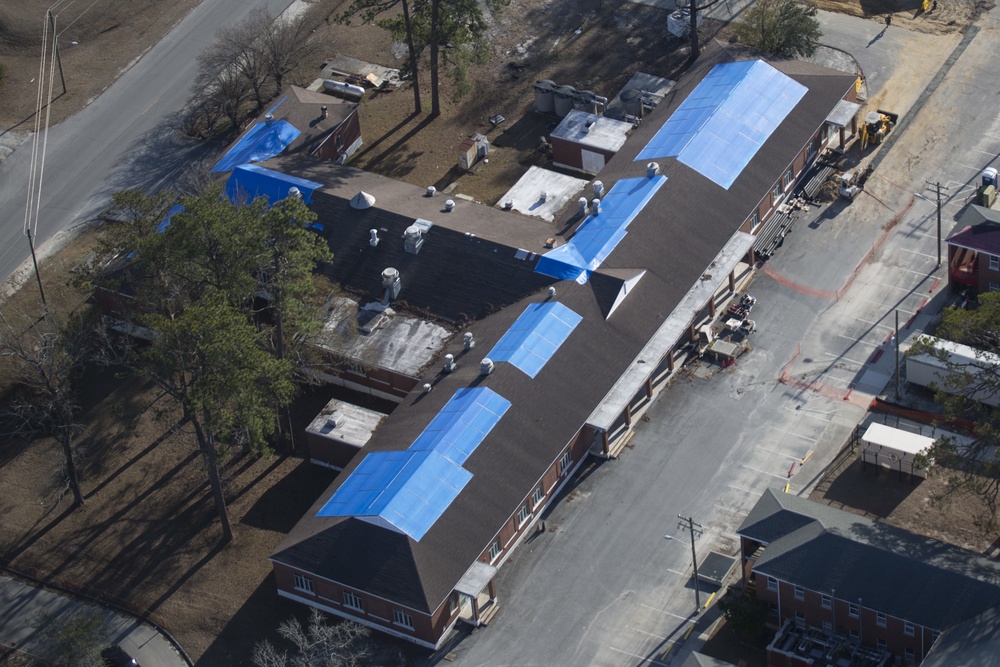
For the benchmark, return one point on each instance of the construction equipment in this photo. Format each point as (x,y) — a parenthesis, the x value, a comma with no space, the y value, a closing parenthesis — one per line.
(849,188)
(877,125)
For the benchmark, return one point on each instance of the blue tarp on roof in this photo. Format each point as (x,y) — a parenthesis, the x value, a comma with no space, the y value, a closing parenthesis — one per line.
(600,233)
(261,142)
(250,181)
(535,336)
(406,489)
(177,208)
(725,120)
(462,424)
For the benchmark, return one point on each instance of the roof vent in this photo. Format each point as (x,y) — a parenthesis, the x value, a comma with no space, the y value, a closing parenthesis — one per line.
(431,190)
(552,292)
(427,388)
(652,169)
(598,189)
(268,119)
(391,283)
(469,341)
(294,193)
(449,363)
(543,195)
(334,420)
(486,366)
(362,200)
(373,241)
(583,205)
(449,205)
(508,205)
(413,239)
(597,206)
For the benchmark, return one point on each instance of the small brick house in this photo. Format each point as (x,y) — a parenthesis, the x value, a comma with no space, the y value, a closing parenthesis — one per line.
(974,251)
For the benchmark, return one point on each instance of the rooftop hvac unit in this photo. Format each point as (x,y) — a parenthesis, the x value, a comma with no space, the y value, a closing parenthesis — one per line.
(544,99)
(632,102)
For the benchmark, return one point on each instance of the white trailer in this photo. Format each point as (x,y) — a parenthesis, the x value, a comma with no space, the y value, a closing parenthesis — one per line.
(928,370)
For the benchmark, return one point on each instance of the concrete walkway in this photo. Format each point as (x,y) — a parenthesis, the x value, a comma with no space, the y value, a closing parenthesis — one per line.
(21,604)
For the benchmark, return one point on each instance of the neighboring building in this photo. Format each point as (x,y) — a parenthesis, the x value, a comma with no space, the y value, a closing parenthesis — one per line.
(585,141)
(570,344)
(339,431)
(974,251)
(842,586)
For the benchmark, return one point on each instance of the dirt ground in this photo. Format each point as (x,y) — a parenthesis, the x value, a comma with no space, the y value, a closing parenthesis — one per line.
(148,536)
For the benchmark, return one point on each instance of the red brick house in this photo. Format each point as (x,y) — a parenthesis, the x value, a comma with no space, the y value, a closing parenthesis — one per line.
(974,251)
(839,585)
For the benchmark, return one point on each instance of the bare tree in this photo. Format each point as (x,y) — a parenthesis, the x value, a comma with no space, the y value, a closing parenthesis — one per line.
(221,88)
(45,360)
(694,9)
(322,644)
(244,46)
(287,47)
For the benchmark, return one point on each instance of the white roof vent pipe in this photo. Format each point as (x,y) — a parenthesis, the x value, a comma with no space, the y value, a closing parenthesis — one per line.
(598,189)
(294,193)
(449,363)
(373,241)
(583,205)
(427,388)
(268,119)
(391,283)
(652,169)
(469,341)
(449,205)
(431,191)
(552,292)
(543,196)
(486,366)
(597,205)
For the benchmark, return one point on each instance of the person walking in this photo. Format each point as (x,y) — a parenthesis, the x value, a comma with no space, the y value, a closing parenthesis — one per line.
(888,20)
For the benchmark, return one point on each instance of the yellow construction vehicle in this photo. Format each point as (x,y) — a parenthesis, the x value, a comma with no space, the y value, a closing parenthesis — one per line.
(876,126)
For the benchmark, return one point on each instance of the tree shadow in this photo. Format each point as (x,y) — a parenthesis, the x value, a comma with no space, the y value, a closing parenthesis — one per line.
(872,490)
(281,506)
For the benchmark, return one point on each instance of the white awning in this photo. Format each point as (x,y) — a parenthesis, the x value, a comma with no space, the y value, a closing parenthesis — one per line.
(893,438)
(475,579)
(843,113)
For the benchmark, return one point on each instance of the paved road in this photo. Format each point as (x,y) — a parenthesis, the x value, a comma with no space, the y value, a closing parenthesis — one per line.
(21,605)
(604,587)
(123,139)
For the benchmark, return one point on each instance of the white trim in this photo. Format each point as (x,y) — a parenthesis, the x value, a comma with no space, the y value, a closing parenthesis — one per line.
(364,621)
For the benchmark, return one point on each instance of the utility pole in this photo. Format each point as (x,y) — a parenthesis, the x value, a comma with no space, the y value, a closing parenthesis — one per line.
(34,261)
(694,529)
(896,336)
(55,38)
(938,188)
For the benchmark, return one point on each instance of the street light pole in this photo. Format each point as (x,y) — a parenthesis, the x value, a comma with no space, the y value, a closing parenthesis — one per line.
(694,529)
(939,221)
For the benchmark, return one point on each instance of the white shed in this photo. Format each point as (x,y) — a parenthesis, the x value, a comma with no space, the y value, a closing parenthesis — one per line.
(894,448)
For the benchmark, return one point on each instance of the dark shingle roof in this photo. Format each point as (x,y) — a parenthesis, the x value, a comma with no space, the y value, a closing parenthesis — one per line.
(890,570)
(974,643)
(674,238)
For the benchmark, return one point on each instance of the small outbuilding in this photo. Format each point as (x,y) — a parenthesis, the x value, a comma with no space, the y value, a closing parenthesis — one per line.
(586,141)
(339,432)
(894,448)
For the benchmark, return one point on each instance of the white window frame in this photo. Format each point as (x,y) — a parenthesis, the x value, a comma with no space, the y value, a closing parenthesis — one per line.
(855,634)
(495,550)
(402,619)
(799,593)
(908,655)
(565,462)
(788,178)
(776,194)
(800,619)
(772,583)
(754,221)
(908,629)
(828,627)
(852,610)
(994,262)
(303,583)
(994,287)
(880,619)
(826,602)
(523,515)
(881,644)
(453,604)
(353,601)
(537,497)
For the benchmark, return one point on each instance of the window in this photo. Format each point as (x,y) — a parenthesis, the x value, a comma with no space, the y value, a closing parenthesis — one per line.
(565,462)
(537,497)
(776,194)
(827,602)
(400,617)
(789,176)
(303,584)
(828,627)
(800,619)
(800,593)
(523,515)
(772,584)
(908,655)
(495,550)
(855,634)
(880,619)
(352,601)
(772,609)
(852,610)
(908,629)
(994,263)
(994,286)
(453,604)
(754,221)
(880,643)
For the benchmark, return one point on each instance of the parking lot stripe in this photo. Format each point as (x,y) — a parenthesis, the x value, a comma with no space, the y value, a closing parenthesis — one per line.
(764,472)
(642,659)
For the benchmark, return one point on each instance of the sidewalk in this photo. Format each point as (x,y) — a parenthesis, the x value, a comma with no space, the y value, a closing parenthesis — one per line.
(21,604)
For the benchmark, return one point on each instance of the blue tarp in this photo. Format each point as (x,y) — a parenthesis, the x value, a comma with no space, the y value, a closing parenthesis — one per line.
(600,233)
(462,424)
(535,336)
(177,208)
(407,490)
(250,181)
(725,120)
(261,142)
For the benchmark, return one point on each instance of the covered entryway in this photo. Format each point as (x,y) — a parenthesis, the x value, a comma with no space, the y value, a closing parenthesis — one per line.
(477,594)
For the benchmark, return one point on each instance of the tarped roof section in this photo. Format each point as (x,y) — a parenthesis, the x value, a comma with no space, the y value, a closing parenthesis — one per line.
(261,142)
(462,424)
(601,232)
(535,336)
(405,491)
(174,210)
(726,119)
(250,181)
